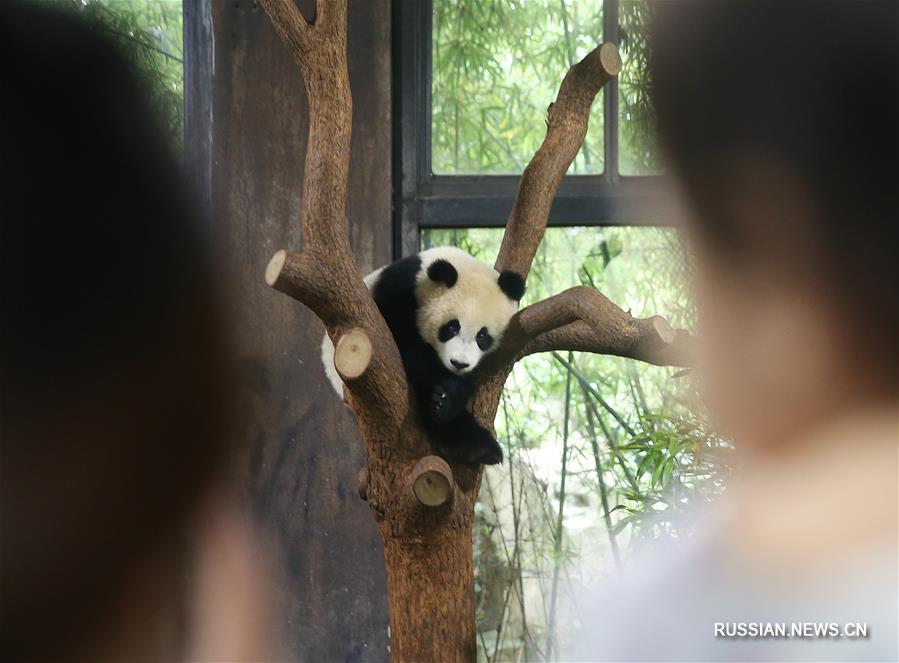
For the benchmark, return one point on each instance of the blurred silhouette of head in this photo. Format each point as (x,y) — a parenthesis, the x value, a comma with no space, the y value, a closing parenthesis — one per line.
(779,120)
(112,367)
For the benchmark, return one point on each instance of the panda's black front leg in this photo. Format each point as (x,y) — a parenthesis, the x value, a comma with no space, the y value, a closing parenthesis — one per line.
(449,398)
(464,440)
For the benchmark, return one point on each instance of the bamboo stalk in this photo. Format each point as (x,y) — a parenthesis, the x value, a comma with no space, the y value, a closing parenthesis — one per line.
(603,491)
(557,543)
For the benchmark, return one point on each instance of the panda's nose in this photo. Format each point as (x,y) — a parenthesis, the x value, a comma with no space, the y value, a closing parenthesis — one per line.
(459,364)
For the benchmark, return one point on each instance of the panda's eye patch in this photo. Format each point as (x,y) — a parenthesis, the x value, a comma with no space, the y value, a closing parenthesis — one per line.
(448,330)
(484,339)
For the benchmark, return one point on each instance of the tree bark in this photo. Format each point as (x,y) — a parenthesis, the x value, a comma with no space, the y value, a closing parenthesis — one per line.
(425,507)
(431,583)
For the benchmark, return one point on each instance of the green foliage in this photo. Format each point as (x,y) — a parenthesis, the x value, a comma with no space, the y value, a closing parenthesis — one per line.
(149,33)
(636,116)
(497,65)
(681,463)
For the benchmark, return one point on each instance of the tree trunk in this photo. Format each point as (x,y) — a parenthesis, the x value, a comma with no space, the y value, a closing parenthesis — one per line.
(425,507)
(430,581)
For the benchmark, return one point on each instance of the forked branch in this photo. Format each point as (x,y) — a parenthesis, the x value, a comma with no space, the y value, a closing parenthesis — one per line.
(580,318)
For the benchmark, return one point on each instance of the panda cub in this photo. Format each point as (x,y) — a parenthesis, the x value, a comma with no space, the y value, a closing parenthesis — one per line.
(446,310)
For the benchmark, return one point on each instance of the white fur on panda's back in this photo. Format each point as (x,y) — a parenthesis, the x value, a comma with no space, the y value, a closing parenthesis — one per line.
(328,346)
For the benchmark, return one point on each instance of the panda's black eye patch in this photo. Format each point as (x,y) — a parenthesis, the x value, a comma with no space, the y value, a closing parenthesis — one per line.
(484,339)
(448,330)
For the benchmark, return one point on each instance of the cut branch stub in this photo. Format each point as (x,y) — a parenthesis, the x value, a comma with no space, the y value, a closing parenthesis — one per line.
(274,268)
(610,59)
(432,481)
(664,329)
(352,354)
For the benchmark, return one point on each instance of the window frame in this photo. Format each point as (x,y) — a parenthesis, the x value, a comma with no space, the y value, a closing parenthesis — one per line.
(423,200)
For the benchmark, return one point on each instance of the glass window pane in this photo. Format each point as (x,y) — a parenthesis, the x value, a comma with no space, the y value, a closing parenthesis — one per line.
(497,65)
(637,154)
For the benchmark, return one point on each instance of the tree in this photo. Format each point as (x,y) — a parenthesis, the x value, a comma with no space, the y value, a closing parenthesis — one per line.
(423,506)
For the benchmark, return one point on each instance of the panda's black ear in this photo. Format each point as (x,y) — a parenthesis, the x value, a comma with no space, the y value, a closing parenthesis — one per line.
(512,284)
(442,271)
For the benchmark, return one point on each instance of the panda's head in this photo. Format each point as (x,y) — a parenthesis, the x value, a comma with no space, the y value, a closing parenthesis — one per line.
(464,306)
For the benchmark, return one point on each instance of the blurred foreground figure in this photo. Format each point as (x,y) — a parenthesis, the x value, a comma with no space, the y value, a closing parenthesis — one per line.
(780,122)
(115,544)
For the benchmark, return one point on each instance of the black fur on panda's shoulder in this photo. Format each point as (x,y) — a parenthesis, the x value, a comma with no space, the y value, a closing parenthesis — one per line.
(394,293)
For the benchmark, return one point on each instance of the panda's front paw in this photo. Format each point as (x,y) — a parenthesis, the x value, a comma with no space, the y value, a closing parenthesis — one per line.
(490,452)
(441,404)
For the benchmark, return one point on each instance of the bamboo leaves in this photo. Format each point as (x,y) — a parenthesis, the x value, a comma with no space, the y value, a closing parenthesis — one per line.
(496,66)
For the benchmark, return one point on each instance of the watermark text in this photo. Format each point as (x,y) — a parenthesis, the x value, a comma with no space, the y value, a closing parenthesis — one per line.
(832,630)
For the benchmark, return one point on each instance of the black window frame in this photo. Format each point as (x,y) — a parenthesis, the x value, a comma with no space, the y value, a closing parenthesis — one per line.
(423,200)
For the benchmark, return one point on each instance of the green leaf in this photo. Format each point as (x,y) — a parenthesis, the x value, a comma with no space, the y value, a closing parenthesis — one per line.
(644,465)
(657,473)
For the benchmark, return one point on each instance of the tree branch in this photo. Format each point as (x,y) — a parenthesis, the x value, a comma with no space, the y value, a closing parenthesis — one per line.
(645,339)
(583,319)
(324,276)
(566,127)
(580,319)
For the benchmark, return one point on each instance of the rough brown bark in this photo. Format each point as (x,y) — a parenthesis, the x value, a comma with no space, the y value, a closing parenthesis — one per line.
(431,582)
(424,507)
